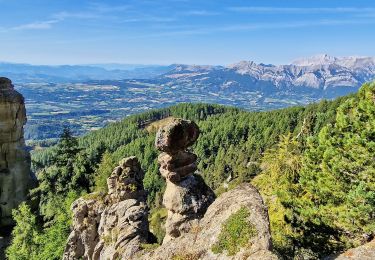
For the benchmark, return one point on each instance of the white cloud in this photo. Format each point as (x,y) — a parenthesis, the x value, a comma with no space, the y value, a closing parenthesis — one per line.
(41,25)
(79,15)
(261,26)
(94,11)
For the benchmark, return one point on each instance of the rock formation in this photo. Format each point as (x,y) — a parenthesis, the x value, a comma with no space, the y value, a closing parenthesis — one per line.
(15,174)
(186,196)
(115,225)
(363,252)
(198,243)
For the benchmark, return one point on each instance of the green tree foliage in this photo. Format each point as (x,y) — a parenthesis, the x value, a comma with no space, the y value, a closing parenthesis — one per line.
(67,149)
(55,232)
(230,148)
(32,242)
(278,183)
(70,168)
(103,171)
(25,235)
(320,190)
(337,192)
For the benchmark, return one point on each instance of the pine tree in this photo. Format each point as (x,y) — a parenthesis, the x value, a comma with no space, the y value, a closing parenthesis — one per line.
(336,201)
(25,235)
(103,171)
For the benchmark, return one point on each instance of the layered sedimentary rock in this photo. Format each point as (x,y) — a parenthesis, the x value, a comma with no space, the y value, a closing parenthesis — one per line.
(198,243)
(15,174)
(186,196)
(115,225)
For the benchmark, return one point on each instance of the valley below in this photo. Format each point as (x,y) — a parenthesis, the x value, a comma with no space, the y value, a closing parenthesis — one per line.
(89,106)
(95,96)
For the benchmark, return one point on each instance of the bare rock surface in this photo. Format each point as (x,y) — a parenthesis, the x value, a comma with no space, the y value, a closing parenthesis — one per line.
(198,242)
(364,252)
(186,197)
(115,225)
(15,174)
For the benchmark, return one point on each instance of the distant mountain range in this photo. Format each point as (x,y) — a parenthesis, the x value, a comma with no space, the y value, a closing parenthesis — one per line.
(322,73)
(90,96)
(26,73)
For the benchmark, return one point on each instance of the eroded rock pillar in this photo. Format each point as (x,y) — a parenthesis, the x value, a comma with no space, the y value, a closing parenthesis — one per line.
(186,197)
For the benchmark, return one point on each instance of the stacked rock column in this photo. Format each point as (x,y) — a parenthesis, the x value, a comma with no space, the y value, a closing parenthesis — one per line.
(186,196)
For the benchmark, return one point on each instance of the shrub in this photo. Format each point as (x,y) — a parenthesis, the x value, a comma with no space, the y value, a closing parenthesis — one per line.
(236,233)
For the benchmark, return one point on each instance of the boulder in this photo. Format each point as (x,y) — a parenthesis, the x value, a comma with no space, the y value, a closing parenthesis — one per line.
(204,234)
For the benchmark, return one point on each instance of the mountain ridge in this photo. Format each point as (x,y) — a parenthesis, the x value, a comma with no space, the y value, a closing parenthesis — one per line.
(317,72)
(320,71)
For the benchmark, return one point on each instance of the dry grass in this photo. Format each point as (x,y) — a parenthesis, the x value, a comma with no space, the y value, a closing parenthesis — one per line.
(154,126)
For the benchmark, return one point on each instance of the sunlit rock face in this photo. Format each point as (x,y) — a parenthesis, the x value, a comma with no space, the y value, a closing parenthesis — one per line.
(15,175)
(112,225)
(186,196)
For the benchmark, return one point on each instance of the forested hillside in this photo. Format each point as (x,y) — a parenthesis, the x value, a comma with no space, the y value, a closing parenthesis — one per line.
(314,165)
(321,193)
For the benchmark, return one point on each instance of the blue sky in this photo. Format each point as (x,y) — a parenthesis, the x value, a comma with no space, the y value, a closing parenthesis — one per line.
(183,31)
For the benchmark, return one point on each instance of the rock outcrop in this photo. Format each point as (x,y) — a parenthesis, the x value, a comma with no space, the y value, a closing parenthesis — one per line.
(15,174)
(115,225)
(186,196)
(198,243)
(364,252)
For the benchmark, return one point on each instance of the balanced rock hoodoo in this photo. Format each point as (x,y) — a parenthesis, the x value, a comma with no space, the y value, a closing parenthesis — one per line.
(186,197)
(115,225)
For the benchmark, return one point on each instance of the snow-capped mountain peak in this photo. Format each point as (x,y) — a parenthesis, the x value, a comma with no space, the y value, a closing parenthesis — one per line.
(320,59)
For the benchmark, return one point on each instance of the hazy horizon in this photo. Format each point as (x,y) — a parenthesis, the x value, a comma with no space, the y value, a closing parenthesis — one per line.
(138,65)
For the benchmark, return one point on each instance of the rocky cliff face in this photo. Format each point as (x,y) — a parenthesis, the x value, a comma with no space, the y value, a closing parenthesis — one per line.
(15,175)
(115,226)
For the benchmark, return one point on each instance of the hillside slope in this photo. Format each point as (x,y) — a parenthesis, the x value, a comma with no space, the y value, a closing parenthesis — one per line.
(282,147)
